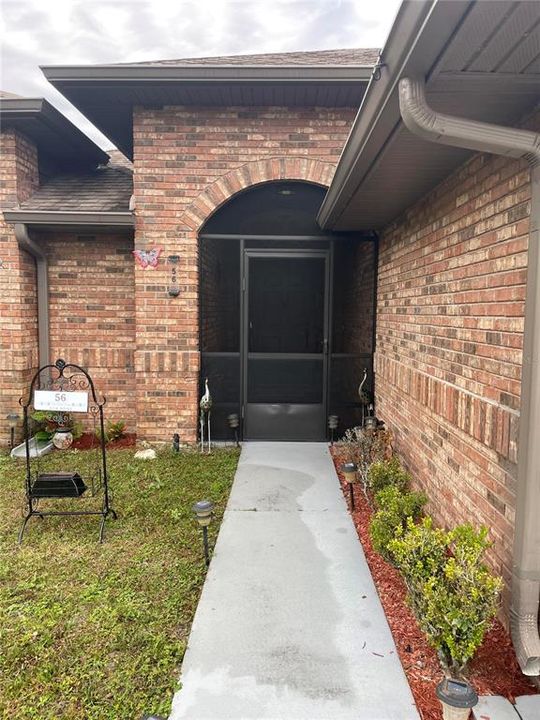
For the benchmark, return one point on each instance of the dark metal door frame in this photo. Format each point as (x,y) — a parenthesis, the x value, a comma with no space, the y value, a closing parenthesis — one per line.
(246,254)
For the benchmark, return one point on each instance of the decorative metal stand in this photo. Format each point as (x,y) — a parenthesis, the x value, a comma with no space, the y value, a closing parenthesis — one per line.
(64,378)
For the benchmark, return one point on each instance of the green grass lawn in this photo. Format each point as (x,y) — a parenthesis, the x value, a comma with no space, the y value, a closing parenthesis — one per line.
(97,632)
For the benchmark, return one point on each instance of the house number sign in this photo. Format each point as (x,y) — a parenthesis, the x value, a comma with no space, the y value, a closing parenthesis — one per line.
(61,400)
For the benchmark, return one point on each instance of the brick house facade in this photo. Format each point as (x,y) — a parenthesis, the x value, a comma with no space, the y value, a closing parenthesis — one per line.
(18,341)
(187,165)
(451,293)
(451,257)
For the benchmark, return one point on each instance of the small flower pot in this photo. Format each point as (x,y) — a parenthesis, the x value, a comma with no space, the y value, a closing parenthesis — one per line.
(62,438)
(457,698)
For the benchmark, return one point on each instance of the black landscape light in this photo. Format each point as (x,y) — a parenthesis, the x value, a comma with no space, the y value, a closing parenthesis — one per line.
(370,422)
(457,698)
(176,442)
(349,471)
(333,421)
(13,419)
(203,512)
(234,423)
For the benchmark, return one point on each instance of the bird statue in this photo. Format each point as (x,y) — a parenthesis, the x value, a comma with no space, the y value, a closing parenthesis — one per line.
(364,396)
(205,406)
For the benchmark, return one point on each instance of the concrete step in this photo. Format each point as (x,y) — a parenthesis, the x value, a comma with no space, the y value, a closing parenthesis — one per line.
(528,707)
(494,707)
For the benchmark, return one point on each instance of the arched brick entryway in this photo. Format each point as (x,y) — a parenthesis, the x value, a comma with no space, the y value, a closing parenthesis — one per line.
(250,174)
(167,359)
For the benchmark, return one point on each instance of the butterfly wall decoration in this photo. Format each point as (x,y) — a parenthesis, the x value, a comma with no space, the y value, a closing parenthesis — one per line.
(148,258)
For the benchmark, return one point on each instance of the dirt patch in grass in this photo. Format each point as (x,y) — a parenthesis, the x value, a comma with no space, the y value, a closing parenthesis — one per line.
(97,632)
(494,671)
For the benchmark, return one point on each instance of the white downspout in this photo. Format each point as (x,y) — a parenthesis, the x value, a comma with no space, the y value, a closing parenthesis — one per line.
(421,120)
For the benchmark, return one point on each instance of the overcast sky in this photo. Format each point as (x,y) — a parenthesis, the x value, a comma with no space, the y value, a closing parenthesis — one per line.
(64,32)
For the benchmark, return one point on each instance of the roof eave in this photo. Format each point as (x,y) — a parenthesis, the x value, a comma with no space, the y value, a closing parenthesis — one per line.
(38,110)
(418,35)
(57,218)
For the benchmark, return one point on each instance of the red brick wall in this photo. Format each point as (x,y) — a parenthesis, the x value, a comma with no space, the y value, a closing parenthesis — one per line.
(18,301)
(354,288)
(92,313)
(188,161)
(451,291)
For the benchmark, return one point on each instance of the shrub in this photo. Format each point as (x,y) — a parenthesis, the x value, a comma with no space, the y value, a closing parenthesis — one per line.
(384,473)
(453,594)
(393,509)
(364,446)
(418,550)
(116,430)
(113,430)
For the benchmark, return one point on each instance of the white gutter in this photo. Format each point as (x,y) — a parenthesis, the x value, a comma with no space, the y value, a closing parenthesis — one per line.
(42,282)
(436,127)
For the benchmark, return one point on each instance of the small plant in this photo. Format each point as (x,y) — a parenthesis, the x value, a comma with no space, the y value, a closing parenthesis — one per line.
(394,508)
(364,446)
(453,594)
(47,423)
(113,431)
(385,473)
(116,430)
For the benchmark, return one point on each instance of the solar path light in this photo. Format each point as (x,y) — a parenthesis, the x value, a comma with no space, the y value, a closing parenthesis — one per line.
(203,512)
(370,423)
(13,419)
(333,421)
(234,423)
(457,698)
(349,471)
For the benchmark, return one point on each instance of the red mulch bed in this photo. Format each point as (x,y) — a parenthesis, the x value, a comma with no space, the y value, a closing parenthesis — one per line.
(494,670)
(87,441)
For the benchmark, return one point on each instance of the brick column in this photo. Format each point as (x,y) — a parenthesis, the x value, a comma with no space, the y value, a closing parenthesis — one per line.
(19,178)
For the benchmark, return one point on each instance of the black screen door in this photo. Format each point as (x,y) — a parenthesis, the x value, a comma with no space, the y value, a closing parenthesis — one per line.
(285,344)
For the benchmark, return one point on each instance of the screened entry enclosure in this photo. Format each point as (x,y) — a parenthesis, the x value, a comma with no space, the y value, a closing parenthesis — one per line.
(287,316)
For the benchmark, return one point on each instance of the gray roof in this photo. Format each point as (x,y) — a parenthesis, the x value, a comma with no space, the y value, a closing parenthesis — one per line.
(106,189)
(348,56)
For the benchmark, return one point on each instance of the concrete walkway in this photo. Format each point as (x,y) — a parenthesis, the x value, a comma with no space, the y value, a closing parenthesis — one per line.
(289,625)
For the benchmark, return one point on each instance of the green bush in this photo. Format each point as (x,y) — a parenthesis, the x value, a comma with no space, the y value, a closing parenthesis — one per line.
(453,594)
(393,509)
(385,473)
(418,551)
(114,430)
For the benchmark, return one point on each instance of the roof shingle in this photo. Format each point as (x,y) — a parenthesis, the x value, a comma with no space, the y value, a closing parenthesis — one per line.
(106,189)
(348,56)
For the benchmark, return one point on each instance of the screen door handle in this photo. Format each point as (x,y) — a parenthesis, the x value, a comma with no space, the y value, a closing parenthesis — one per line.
(325,346)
